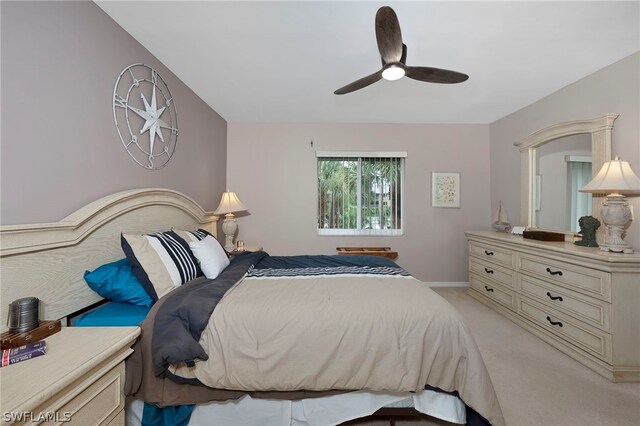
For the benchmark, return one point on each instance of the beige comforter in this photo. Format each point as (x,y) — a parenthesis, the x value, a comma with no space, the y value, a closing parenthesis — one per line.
(377,333)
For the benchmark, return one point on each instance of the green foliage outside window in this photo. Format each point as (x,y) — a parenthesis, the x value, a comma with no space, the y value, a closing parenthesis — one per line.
(371,186)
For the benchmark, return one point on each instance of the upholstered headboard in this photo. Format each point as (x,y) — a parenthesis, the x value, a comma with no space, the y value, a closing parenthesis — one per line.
(48,260)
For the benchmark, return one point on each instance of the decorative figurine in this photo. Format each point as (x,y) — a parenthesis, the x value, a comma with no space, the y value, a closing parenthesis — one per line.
(501,220)
(588,227)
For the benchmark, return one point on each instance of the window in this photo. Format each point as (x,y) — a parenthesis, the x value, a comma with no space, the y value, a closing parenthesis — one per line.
(360,193)
(578,203)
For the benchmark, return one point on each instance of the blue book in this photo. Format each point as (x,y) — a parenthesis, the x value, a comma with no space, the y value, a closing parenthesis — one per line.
(23,353)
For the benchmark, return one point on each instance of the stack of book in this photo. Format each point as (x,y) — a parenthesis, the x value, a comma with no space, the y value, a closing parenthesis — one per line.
(17,347)
(23,353)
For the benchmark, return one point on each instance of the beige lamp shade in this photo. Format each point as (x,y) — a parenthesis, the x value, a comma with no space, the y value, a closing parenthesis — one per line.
(615,176)
(230,204)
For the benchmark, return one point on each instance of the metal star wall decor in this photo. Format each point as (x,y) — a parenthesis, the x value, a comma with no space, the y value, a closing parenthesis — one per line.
(140,79)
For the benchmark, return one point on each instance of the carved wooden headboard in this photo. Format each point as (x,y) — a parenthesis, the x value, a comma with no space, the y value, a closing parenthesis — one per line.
(48,260)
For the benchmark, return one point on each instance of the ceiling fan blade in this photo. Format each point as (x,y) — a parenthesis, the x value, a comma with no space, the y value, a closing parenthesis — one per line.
(435,75)
(359,84)
(388,35)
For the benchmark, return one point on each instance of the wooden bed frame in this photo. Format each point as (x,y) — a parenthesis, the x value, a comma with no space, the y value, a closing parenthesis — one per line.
(48,260)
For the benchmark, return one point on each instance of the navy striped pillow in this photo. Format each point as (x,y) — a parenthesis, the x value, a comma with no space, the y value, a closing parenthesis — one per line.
(162,261)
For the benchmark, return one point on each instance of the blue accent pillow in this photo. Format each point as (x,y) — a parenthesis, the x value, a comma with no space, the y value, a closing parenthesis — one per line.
(115,281)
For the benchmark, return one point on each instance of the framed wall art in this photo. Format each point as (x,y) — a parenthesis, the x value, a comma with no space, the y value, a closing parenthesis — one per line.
(445,190)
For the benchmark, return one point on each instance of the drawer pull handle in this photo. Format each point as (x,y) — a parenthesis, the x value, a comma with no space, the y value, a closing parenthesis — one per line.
(488,253)
(488,289)
(488,271)
(554,272)
(554,297)
(553,322)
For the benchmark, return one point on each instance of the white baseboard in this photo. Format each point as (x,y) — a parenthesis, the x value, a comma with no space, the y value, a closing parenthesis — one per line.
(447,284)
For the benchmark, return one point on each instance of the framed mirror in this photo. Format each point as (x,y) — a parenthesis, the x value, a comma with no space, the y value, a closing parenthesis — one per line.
(555,162)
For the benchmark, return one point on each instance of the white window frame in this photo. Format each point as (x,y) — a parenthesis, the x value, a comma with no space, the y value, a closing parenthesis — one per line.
(359,155)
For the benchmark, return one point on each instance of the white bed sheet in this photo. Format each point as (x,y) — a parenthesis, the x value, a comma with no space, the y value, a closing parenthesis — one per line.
(323,411)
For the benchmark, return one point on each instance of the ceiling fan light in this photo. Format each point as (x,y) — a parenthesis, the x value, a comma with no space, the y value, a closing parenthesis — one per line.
(393,72)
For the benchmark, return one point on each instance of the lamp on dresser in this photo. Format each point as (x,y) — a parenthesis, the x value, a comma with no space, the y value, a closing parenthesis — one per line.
(616,179)
(229,205)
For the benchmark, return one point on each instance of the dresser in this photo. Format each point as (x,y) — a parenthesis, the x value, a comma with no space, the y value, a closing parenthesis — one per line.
(79,381)
(583,301)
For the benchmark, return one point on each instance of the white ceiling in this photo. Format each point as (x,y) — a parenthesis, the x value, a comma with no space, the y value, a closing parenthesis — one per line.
(282,61)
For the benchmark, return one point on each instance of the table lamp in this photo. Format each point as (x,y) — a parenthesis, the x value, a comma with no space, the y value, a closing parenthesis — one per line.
(616,179)
(229,205)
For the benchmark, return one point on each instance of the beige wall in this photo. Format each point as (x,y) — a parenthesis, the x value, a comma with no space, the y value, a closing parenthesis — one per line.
(59,147)
(272,167)
(614,89)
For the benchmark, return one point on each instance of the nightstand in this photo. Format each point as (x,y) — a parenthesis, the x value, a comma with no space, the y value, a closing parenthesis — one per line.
(80,379)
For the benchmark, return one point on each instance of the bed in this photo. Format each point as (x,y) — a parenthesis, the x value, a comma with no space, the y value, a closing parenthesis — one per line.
(282,372)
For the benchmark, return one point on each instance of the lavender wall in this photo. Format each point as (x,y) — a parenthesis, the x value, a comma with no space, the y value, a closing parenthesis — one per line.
(60,149)
(614,89)
(272,167)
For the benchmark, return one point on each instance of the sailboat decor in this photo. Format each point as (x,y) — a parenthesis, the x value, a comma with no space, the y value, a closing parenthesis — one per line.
(501,220)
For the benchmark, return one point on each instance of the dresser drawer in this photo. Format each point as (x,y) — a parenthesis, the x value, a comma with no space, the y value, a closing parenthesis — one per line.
(593,311)
(595,295)
(492,272)
(581,335)
(584,280)
(99,403)
(493,291)
(492,254)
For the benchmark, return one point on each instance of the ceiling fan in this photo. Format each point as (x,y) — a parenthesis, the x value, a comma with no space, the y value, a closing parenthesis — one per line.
(394,55)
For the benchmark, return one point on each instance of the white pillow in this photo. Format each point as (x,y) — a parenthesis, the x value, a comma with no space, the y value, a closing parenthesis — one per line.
(211,255)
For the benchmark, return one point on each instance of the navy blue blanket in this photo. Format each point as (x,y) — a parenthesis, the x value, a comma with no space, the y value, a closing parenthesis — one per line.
(291,266)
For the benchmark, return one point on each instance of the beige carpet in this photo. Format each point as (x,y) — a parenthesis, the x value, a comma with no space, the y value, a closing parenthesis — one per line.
(537,385)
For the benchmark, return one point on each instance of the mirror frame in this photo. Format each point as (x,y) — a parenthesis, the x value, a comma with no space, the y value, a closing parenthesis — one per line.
(600,130)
